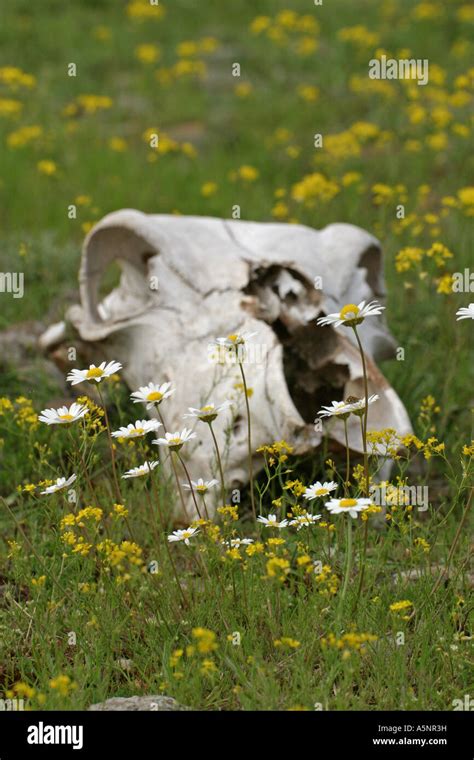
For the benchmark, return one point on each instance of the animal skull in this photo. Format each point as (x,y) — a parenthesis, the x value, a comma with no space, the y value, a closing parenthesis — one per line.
(186,280)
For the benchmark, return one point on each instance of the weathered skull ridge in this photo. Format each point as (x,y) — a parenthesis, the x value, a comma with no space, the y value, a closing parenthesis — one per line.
(187,280)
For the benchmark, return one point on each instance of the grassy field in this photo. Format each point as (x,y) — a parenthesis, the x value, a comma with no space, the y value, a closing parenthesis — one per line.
(83,142)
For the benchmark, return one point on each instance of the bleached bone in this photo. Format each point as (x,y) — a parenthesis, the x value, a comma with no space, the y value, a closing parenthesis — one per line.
(186,280)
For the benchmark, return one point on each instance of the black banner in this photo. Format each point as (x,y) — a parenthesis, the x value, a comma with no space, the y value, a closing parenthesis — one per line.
(375,734)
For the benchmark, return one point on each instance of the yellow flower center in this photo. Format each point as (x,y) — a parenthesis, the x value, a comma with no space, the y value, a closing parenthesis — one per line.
(174,441)
(138,431)
(232,337)
(154,396)
(321,492)
(67,417)
(207,408)
(349,311)
(187,534)
(94,372)
(348,503)
(201,489)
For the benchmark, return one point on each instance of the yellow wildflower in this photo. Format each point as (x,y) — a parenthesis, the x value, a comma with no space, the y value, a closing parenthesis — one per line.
(147,53)
(47,167)
(63,685)
(206,640)
(277,567)
(286,641)
(142,10)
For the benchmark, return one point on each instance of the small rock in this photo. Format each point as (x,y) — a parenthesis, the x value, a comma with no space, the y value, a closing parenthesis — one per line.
(23,363)
(416,573)
(158,703)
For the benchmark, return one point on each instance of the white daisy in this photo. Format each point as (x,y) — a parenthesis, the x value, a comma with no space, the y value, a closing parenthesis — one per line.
(93,373)
(137,429)
(235,339)
(465,312)
(175,441)
(183,535)
(304,520)
(152,394)
(207,413)
(359,404)
(143,469)
(351,314)
(319,489)
(63,415)
(272,522)
(337,409)
(352,506)
(60,484)
(236,543)
(201,486)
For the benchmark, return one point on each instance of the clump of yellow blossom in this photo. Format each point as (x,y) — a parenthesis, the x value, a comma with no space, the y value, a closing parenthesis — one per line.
(401,608)
(144,10)
(147,53)
(206,640)
(15,78)
(229,513)
(286,641)
(63,685)
(278,568)
(348,643)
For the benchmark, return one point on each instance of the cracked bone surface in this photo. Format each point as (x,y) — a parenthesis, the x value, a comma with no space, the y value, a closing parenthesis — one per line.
(187,280)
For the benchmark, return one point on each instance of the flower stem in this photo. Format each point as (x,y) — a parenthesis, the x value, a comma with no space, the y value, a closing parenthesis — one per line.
(77,447)
(205,507)
(219,462)
(111,445)
(249,435)
(190,483)
(366,412)
(175,573)
(348,563)
(173,465)
(364,555)
(363,430)
(167,546)
(348,462)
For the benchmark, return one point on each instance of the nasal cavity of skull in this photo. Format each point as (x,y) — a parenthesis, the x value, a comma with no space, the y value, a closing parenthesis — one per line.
(277,289)
(313,378)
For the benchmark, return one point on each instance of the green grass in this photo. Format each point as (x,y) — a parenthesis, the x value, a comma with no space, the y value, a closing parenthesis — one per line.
(142,618)
(93,613)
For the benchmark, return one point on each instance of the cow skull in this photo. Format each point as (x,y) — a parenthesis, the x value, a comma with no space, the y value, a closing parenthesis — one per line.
(187,280)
